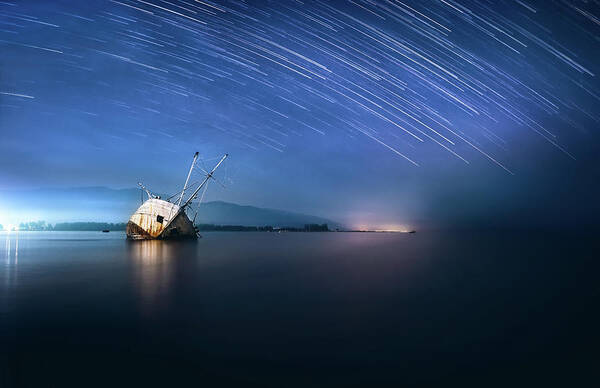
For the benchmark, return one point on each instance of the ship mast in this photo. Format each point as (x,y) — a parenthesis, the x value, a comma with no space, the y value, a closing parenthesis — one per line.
(208,176)
(187,179)
(193,196)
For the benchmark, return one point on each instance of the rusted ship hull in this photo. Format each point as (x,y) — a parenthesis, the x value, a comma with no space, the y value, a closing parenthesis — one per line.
(157,220)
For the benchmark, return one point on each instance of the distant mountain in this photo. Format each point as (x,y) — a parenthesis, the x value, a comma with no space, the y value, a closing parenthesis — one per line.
(102,204)
(225,213)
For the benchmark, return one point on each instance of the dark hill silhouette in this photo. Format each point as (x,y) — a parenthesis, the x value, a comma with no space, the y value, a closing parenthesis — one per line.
(226,213)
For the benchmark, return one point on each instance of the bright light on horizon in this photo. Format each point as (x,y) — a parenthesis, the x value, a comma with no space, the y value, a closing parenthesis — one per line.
(384,228)
(9,227)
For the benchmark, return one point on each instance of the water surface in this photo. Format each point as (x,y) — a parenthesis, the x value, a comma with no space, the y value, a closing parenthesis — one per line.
(298,309)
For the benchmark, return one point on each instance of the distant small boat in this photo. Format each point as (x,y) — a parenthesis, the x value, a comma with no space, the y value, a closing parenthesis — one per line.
(413,231)
(105,231)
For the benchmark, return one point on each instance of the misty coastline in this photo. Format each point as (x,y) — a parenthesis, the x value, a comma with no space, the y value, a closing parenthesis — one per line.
(42,226)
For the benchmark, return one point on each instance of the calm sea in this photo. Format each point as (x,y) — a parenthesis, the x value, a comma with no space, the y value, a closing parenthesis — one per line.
(299,310)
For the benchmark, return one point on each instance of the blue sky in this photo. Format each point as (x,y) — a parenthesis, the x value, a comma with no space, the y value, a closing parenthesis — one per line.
(435,112)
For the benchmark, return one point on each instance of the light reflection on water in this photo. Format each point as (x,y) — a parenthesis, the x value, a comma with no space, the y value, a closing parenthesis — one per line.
(10,258)
(152,271)
(154,263)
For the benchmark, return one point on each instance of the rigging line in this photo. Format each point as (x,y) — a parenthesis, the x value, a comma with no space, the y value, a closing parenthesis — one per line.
(210,159)
(179,192)
(203,192)
(169,198)
(200,164)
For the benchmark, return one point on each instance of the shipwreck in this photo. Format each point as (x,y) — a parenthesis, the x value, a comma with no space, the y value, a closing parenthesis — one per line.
(161,219)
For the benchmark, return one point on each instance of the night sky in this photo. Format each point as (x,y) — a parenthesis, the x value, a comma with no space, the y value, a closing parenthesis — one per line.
(425,113)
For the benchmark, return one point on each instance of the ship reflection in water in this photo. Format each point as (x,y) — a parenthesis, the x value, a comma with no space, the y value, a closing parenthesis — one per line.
(154,266)
(152,272)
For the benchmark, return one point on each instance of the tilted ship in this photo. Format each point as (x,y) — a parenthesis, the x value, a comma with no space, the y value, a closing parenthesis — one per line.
(160,219)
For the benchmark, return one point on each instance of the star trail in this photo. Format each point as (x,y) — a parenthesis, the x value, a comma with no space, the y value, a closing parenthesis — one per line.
(428,82)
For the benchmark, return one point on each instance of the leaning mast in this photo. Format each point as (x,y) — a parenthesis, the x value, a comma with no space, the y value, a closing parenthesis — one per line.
(187,179)
(181,209)
(208,176)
